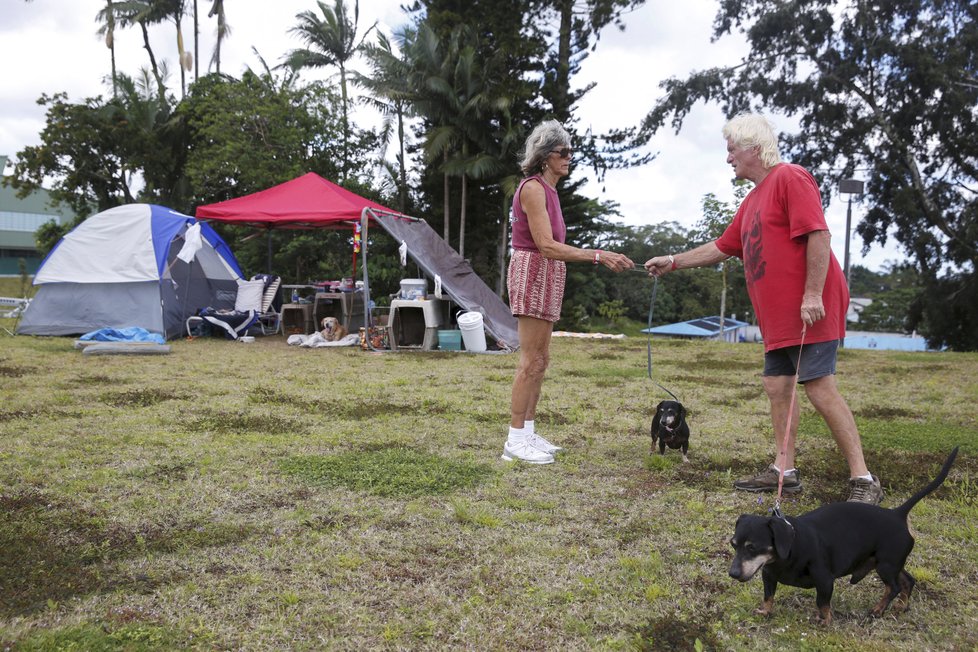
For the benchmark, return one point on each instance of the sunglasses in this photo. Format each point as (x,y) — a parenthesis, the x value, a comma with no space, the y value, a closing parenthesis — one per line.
(564,152)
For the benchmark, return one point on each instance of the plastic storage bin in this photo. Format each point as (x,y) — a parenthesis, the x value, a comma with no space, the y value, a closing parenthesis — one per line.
(450,340)
(414,288)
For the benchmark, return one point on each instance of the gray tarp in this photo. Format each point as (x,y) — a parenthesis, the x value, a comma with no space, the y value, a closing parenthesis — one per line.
(435,257)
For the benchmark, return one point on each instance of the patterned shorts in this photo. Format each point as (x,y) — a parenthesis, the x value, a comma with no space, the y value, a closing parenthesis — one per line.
(536,285)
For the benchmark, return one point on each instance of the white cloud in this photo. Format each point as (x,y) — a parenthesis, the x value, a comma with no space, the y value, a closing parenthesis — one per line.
(52,46)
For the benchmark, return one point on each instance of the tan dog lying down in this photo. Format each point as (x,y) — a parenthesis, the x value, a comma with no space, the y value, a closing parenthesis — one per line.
(332,329)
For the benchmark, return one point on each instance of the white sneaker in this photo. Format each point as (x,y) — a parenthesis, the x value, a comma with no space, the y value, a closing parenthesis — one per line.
(542,444)
(524,451)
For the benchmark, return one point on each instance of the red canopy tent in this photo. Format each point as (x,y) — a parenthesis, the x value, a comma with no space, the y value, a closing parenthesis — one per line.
(309,201)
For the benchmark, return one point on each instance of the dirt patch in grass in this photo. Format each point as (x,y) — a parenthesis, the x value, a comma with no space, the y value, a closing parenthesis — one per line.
(10,415)
(363,407)
(166,472)
(140,397)
(824,473)
(229,423)
(549,418)
(607,355)
(51,551)
(675,633)
(884,412)
(87,380)
(35,563)
(13,371)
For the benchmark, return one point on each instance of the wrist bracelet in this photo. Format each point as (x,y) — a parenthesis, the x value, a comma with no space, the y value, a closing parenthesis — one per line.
(672,261)
(597,256)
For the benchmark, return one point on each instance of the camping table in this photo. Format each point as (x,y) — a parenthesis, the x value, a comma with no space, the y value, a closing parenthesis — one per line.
(287,291)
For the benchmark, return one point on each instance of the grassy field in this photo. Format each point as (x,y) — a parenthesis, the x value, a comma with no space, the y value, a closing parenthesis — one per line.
(256,497)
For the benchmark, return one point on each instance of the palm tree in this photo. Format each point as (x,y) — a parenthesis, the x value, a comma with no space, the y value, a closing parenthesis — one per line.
(428,73)
(391,95)
(145,13)
(185,59)
(330,41)
(223,30)
(459,96)
(107,15)
(196,43)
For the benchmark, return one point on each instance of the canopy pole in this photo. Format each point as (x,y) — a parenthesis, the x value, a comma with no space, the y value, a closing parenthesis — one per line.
(367,316)
(268,269)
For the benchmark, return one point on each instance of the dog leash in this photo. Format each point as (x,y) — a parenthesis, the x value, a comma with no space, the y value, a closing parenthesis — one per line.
(648,342)
(787,427)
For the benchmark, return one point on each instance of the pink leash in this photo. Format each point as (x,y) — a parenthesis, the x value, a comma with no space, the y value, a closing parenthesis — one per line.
(787,426)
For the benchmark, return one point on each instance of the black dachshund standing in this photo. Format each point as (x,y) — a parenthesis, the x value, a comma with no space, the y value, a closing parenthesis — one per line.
(833,541)
(669,428)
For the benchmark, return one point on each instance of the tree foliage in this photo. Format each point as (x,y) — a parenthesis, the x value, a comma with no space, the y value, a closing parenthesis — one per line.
(330,41)
(97,150)
(887,90)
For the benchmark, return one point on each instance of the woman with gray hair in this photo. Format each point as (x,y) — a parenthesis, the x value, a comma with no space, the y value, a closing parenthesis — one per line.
(537,272)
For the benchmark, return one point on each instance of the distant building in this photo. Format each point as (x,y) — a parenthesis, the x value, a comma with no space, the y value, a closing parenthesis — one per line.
(856,306)
(704,327)
(19,221)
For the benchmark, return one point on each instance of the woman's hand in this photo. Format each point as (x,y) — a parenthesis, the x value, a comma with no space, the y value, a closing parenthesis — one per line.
(616,262)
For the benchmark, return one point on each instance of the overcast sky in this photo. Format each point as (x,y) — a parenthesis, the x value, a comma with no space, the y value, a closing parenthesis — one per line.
(51,46)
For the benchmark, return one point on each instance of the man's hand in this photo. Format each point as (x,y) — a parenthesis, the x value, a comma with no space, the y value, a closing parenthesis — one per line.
(812,309)
(659,266)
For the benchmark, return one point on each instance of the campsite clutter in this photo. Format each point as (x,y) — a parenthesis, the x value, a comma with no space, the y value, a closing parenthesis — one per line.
(148,266)
(311,201)
(122,341)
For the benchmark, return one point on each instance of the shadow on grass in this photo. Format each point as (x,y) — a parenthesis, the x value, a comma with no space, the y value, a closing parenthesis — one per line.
(50,551)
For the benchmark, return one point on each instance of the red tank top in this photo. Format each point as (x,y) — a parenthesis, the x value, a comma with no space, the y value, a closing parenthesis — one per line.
(522,238)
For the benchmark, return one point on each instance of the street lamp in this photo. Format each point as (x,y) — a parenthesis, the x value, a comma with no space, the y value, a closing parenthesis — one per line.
(849,187)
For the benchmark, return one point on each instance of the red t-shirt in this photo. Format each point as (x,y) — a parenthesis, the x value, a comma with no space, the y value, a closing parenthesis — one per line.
(522,238)
(769,235)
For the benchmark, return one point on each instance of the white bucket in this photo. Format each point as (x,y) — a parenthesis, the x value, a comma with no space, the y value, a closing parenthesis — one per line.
(470,323)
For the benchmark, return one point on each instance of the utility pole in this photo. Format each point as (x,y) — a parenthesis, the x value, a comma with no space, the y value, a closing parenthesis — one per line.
(849,187)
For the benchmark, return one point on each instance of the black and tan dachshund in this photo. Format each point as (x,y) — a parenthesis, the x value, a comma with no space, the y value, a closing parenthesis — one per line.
(669,428)
(833,541)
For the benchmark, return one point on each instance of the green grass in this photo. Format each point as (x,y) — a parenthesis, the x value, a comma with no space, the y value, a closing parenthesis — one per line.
(393,472)
(266,497)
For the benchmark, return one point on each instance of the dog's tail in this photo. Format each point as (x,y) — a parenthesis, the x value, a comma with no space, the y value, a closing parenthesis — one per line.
(905,508)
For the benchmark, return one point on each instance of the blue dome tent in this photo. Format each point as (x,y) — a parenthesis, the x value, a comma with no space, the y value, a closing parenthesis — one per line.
(138,265)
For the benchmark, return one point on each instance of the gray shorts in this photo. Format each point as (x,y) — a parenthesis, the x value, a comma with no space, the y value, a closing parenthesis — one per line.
(817,360)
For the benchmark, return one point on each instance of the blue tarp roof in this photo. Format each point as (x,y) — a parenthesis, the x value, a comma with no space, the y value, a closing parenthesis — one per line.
(886,342)
(702,327)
